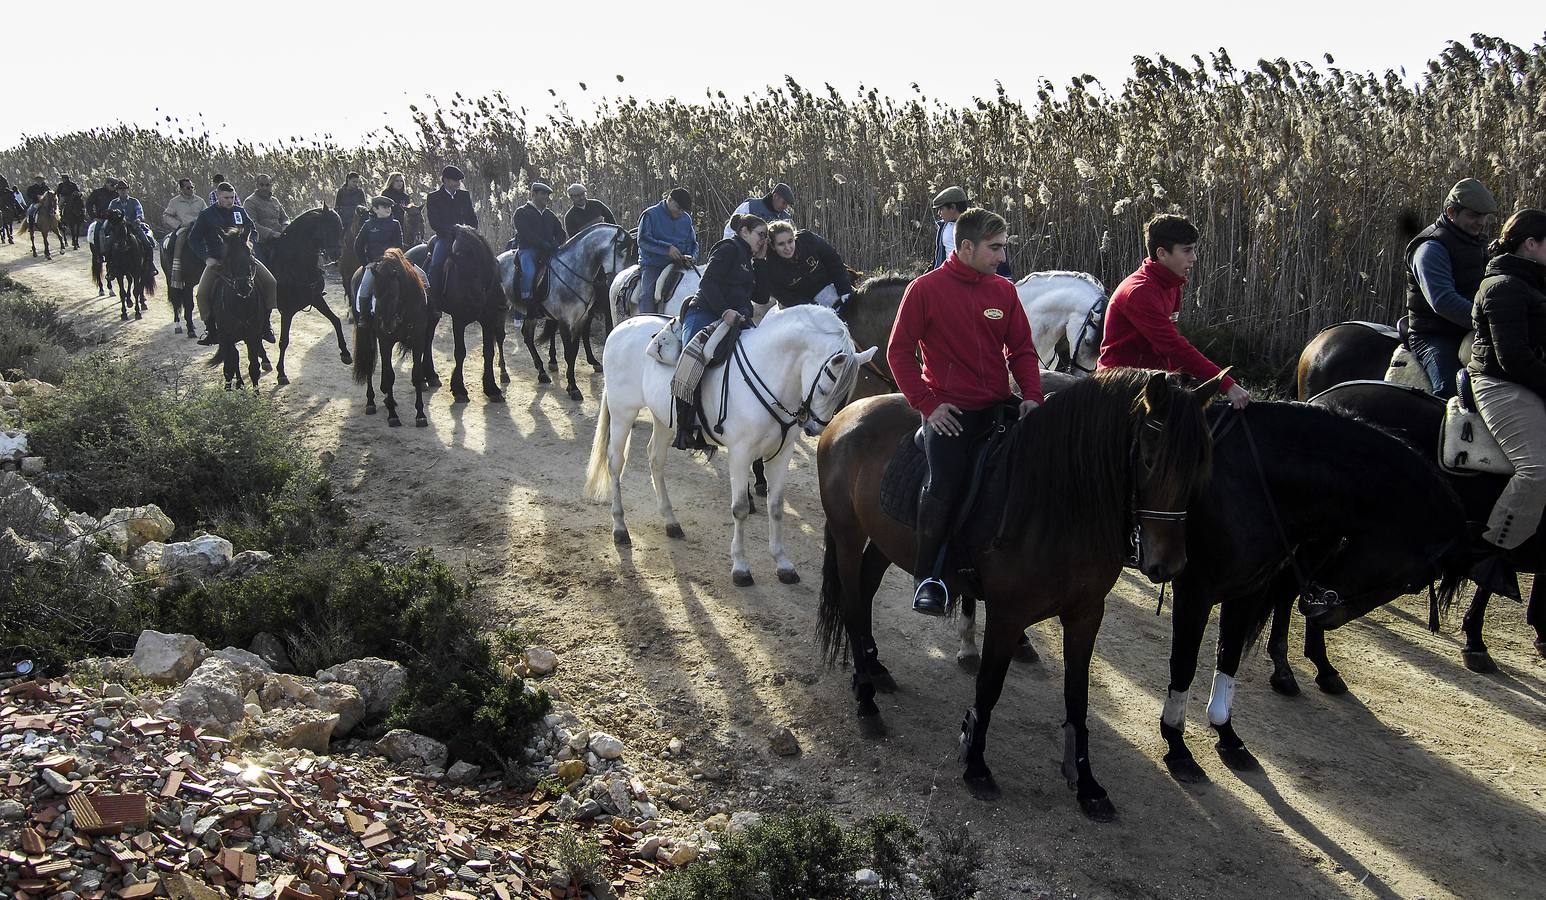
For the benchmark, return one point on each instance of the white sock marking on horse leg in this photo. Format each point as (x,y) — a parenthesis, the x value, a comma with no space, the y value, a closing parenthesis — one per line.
(1222,698)
(966,627)
(1175,709)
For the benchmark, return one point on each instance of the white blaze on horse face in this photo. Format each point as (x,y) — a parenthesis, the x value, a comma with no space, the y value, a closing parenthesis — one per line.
(1222,698)
(1175,709)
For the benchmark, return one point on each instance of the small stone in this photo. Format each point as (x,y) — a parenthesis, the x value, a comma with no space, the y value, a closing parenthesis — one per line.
(571,770)
(32,465)
(867,877)
(463,772)
(261,891)
(116,692)
(402,746)
(682,854)
(717,822)
(10,811)
(57,783)
(606,746)
(167,658)
(744,820)
(649,848)
(783,742)
(676,746)
(541,661)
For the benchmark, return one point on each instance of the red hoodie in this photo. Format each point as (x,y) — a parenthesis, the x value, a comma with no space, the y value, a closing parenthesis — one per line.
(968,324)
(1141,326)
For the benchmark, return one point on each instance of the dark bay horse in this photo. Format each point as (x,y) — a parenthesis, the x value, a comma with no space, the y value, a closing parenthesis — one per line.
(293,259)
(47,221)
(1102,468)
(348,263)
(1349,351)
(1301,500)
(180,295)
(129,262)
(1417,417)
(72,218)
(470,292)
(413,225)
(401,320)
(237,311)
(869,314)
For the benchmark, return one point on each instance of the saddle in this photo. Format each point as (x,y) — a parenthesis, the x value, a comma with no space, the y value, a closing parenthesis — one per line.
(901,487)
(1466,446)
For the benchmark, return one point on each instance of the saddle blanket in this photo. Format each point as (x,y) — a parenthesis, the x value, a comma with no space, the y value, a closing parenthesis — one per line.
(1466,445)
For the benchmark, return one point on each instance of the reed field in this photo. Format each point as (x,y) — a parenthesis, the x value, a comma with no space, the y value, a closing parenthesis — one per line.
(1305,179)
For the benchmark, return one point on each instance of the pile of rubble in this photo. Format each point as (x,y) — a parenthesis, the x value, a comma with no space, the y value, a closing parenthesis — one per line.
(191,773)
(14,452)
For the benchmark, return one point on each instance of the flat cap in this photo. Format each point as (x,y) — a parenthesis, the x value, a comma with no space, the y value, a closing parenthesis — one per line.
(950,194)
(1472,195)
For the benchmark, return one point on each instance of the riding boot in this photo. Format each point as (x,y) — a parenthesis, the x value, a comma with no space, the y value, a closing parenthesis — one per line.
(211,336)
(930,596)
(687,437)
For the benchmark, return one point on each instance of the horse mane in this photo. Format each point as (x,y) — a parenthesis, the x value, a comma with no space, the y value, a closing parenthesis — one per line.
(882,280)
(806,317)
(1086,277)
(586,230)
(1071,463)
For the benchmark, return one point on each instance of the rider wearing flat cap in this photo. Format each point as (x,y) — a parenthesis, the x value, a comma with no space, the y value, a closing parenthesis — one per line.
(1445,264)
(445,209)
(584,212)
(540,233)
(770,207)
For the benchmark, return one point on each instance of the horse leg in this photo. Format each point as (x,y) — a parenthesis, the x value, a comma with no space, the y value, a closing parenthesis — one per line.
(187,304)
(740,508)
(1474,652)
(419,384)
(1283,680)
(617,427)
(33,234)
(1079,630)
(459,387)
(553,349)
(585,333)
(1189,621)
(1535,615)
(660,446)
(491,345)
(1327,678)
(431,377)
(499,343)
(253,368)
(320,305)
(529,335)
(1233,626)
(388,379)
(997,647)
(571,350)
(850,557)
(284,345)
(776,485)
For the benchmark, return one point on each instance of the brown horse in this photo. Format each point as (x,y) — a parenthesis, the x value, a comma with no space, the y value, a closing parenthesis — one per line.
(413,225)
(401,319)
(46,219)
(1104,469)
(869,315)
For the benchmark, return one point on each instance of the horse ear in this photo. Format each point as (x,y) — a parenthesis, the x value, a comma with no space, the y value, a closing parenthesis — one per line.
(1154,392)
(863,357)
(1211,388)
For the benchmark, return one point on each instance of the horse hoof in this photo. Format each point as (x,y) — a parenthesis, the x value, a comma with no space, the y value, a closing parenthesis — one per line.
(281,380)
(123,316)
(575,395)
(434,381)
(348,359)
(370,409)
(495,396)
(969,662)
(177,330)
(883,682)
(741,579)
(420,422)
(788,576)
(983,787)
(394,421)
(872,726)
(1025,651)
(1099,809)
(1285,683)
(269,367)
(459,398)
(1540,647)
(192,335)
(674,530)
(620,537)
(542,377)
(504,378)
(1238,759)
(1185,769)
(1479,661)
(1331,683)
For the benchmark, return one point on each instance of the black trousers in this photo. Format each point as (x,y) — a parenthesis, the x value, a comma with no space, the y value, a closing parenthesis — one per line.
(950,455)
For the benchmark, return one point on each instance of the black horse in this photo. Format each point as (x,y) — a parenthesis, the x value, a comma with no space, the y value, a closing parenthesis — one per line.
(469,291)
(1301,501)
(130,262)
(180,292)
(402,320)
(1348,351)
(72,218)
(237,312)
(293,260)
(11,212)
(1417,417)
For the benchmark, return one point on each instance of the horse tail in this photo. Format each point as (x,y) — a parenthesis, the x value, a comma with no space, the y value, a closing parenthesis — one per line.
(597,477)
(1443,598)
(365,354)
(96,266)
(219,356)
(830,627)
(150,282)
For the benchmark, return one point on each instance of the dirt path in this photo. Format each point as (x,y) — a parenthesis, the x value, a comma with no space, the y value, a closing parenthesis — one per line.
(1425,781)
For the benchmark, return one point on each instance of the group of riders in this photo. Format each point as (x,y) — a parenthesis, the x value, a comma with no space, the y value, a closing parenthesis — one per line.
(960,332)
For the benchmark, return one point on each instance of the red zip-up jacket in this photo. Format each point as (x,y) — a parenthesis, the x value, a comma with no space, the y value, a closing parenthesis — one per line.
(1141,327)
(968,325)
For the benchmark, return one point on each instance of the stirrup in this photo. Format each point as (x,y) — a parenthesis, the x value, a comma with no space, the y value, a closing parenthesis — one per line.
(924,601)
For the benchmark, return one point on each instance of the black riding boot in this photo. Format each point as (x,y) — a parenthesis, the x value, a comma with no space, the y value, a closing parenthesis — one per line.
(686,427)
(930,595)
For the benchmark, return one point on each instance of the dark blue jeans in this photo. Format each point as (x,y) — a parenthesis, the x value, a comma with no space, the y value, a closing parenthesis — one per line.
(1439,355)
(644,294)
(437,260)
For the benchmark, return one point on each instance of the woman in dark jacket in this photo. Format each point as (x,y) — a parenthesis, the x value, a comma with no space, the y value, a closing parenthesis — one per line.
(1508,370)
(803,268)
(729,288)
(396,190)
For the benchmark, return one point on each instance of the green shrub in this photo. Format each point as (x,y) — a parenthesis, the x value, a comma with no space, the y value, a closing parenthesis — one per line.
(34,341)
(802,853)
(57,611)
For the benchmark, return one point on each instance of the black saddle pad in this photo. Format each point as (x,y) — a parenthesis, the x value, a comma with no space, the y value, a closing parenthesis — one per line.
(669,279)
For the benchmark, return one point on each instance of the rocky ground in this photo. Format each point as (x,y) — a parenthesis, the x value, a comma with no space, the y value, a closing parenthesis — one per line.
(1426,780)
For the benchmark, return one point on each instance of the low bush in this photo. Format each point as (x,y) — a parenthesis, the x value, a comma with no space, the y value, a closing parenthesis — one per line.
(34,341)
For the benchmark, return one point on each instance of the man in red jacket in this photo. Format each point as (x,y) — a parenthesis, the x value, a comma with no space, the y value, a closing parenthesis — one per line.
(966,322)
(1141,317)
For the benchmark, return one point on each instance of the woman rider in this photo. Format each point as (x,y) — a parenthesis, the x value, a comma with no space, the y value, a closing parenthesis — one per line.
(396,190)
(727,292)
(804,268)
(1508,370)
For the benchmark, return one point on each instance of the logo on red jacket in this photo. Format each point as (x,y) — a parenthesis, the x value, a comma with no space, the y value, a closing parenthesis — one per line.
(994,314)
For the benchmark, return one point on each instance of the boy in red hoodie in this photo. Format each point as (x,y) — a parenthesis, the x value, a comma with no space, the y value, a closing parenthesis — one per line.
(966,322)
(1141,317)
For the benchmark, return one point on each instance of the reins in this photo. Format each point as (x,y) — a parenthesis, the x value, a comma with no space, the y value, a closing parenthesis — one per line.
(769,399)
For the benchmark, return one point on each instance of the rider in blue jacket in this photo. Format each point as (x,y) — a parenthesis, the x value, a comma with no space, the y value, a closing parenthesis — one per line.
(666,238)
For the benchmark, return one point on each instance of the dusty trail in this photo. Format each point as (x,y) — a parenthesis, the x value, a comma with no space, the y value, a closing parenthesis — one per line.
(1424,781)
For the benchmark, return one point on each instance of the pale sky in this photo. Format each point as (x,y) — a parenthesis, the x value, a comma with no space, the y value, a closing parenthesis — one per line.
(305,68)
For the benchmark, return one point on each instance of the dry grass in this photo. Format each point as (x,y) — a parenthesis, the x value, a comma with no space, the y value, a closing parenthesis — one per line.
(1300,175)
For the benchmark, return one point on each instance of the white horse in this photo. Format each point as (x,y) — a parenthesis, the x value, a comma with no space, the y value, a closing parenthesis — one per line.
(794,371)
(622,291)
(1065,307)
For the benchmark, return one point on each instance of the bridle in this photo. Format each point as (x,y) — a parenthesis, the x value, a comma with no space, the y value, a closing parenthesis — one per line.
(842,381)
(620,244)
(1092,322)
(1139,514)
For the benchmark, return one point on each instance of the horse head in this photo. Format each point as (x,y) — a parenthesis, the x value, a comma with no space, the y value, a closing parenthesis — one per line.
(1171,457)
(826,357)
(329,232)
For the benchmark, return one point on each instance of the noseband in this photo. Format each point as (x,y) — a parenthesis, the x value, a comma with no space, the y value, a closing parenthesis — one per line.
(1092,322)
